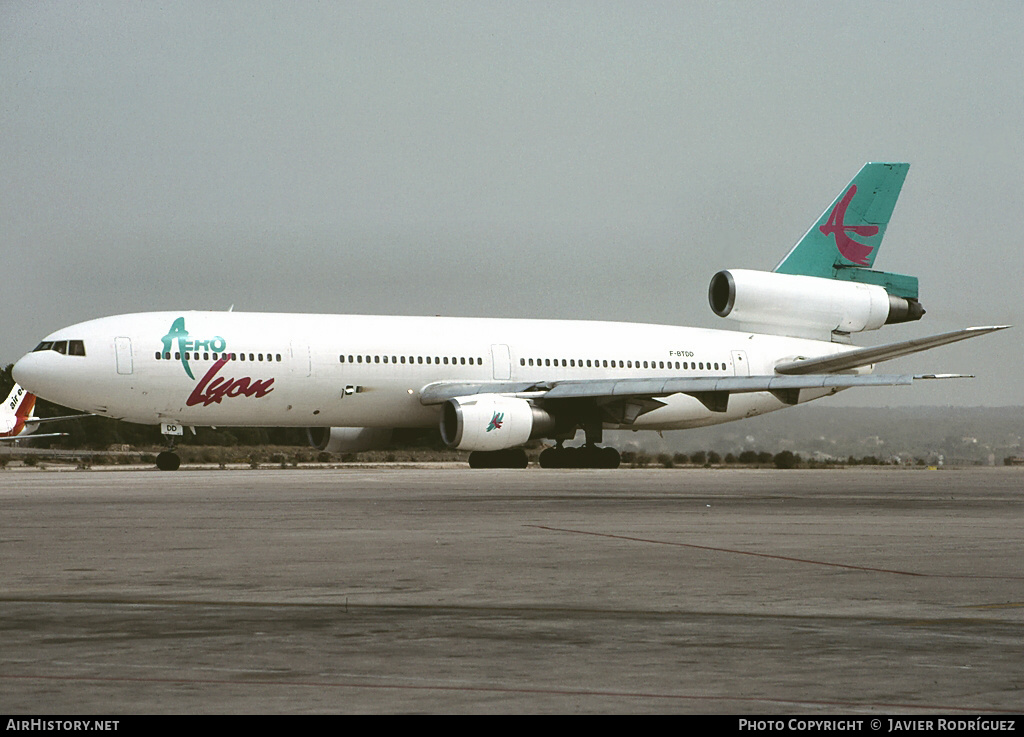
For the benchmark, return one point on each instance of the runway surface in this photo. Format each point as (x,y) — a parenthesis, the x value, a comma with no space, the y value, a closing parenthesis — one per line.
(451,590)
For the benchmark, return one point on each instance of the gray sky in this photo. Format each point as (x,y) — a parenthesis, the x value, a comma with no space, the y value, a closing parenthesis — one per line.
(570,160)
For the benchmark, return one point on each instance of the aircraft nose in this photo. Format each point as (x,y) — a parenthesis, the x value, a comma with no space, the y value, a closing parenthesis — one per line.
(35,373)
(20,370)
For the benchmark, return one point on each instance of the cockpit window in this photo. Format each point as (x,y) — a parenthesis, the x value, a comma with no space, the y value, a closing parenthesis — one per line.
(64,347)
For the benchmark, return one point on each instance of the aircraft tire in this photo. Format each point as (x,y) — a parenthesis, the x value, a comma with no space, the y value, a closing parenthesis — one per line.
(610,458)
(551,458)
(168,461)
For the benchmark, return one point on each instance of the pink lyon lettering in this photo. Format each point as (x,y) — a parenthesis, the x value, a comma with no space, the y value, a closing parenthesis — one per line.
(211,389)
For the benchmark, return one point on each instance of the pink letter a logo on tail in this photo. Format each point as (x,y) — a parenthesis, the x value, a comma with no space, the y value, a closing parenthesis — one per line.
(850,249)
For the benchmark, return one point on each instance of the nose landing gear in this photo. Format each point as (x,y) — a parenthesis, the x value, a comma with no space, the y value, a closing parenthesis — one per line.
(168,460)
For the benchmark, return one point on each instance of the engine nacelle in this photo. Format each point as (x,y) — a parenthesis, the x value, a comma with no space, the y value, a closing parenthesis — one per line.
(348,439)
(805,306)
(492,422)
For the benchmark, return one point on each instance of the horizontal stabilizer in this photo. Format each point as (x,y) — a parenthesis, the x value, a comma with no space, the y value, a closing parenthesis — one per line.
(867,356)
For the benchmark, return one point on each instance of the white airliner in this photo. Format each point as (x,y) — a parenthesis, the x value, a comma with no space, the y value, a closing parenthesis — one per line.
(491,385)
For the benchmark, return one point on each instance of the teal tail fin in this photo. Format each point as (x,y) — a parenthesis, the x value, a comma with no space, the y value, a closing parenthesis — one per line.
(845,240)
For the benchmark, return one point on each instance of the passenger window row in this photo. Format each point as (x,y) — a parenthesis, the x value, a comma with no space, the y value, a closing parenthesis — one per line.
(433,360)
(605,363)
(273,357)
(565,362)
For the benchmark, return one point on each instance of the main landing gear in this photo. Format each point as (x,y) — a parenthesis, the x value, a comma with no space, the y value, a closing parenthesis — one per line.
(586,456)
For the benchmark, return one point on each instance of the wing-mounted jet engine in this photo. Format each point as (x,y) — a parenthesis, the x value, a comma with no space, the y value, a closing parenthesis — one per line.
(493,427)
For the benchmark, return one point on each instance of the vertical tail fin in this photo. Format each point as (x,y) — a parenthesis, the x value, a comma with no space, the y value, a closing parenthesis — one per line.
(15,410)
(845,240)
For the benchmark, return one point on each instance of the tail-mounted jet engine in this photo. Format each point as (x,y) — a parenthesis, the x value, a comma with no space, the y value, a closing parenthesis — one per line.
(806,306)
(487,422)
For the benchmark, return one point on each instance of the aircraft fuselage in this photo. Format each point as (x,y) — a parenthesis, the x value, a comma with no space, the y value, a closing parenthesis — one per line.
(234,369)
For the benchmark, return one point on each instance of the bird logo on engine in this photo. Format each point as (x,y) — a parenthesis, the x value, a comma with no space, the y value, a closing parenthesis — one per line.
(496,421)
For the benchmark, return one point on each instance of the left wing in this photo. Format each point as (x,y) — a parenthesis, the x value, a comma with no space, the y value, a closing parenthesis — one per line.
(614,388)
(713,392)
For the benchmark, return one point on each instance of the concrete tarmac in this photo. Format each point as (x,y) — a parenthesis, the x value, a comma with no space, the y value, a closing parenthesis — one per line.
(386,590)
